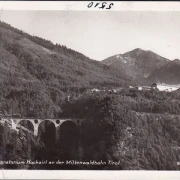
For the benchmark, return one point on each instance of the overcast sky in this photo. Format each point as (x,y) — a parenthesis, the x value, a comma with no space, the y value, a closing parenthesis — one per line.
(99,35)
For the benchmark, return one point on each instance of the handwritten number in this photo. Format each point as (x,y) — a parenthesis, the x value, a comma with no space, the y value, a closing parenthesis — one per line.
(90,5)
(112,4)
(96,4)
(103,5)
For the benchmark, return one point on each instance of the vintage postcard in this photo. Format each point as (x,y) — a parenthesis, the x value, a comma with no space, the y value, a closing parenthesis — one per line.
(92,86)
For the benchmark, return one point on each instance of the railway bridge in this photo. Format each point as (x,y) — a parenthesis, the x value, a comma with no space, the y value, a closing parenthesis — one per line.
(36,122)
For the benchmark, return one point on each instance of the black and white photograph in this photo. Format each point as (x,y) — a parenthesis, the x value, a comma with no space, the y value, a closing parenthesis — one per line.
(91,89)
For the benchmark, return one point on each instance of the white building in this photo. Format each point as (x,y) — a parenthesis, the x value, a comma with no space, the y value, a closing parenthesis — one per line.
(165,87)
(147,88)
(95,90)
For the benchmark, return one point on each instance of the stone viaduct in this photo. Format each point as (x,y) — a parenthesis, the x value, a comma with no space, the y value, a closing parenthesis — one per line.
(36,122)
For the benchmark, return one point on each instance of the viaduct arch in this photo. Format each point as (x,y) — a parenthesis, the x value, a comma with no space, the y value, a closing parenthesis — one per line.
(36,122)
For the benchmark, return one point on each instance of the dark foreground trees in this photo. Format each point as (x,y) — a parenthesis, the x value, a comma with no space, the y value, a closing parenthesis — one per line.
(113,130)
(122,127)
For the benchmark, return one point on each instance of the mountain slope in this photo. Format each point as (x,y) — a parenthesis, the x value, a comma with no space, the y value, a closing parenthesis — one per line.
(56,59)
(137,63)
(170,73)
(36,75)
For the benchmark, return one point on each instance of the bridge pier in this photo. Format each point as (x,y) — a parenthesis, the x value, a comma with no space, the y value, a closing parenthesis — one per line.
(36,129)
(14,125)
(57,135)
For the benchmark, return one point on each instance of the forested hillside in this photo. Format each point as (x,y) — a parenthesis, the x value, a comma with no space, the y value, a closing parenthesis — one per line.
(141,129)
(138,129)
(169,73)
(36,76)
(16,147)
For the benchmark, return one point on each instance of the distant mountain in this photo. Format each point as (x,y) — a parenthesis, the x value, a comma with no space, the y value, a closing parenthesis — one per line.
(169,73)
(36,75)
(138,63)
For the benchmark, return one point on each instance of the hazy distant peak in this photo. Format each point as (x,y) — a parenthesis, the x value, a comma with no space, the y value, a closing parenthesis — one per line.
(135,51)
(169,74)
(137,63)
(176,61)
(138,52)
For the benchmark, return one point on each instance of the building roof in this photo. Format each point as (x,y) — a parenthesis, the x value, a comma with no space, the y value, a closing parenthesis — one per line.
(169,85)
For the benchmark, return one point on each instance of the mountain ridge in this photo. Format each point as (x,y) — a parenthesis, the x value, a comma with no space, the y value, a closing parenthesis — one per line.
(169,73)
(137,63)
(36,75)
